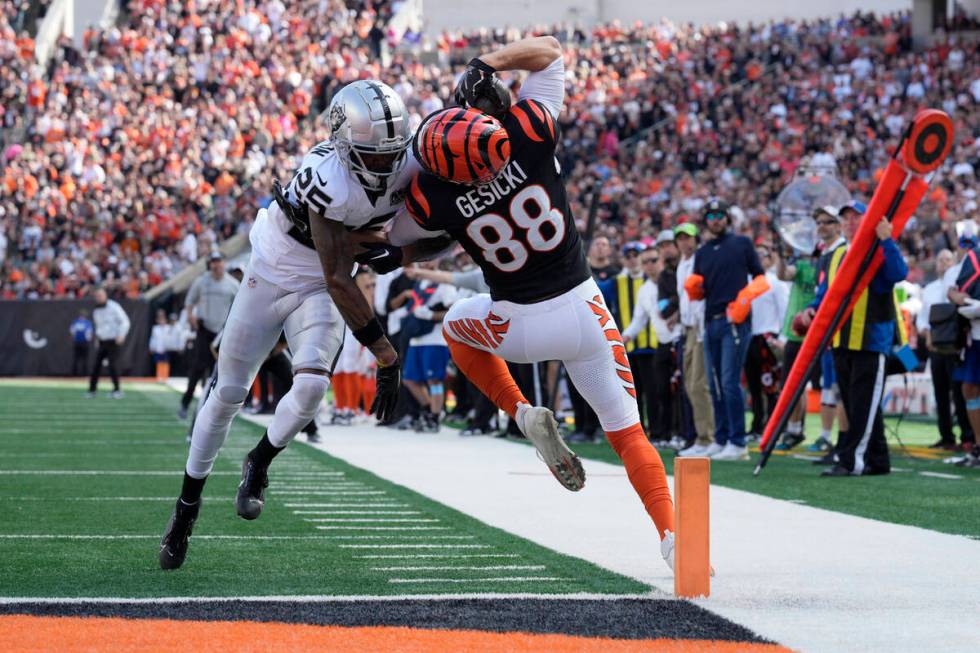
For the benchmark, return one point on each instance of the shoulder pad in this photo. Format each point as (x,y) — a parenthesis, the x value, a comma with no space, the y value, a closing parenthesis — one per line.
(535,121)
(417,198)
(321,184)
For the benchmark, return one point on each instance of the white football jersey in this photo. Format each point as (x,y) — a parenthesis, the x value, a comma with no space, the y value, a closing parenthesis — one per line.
(327,187)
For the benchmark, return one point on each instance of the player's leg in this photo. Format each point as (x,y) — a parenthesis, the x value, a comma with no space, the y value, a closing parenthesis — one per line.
(413,377)
(474,328)
(315,333)
(250,332)
(475,334)
(93,379)
(602,374)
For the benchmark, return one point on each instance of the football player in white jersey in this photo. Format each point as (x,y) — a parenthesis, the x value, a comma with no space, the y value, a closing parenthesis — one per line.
(299,280)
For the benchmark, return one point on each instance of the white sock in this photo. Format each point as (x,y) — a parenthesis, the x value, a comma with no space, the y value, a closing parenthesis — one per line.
(795,428)
(825,434)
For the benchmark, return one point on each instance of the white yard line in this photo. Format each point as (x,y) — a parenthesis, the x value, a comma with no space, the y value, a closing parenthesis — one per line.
(344,493)
(378,520)
(953,477)
(383,528)
(415,546)
(405,556)
(357,512)
(811,579)
(345,505)
(458,568)
(503,579)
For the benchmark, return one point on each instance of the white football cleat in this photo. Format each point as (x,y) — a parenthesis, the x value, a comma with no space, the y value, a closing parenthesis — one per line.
(712,449)
(539,426)
(694,450)
(732,452)
(667,549)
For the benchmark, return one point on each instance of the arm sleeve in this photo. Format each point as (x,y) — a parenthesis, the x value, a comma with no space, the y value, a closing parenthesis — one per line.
(892,270)
(471,280)
(967,276)
(194,294)
(123,320)
(405,230)
(922,318)
(546,86)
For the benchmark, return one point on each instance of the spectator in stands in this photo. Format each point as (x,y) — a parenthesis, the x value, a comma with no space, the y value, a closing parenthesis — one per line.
(111,326)
(81,332)
(208,303)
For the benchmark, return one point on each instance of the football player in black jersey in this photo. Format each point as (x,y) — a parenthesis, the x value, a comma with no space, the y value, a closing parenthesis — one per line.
(492,182)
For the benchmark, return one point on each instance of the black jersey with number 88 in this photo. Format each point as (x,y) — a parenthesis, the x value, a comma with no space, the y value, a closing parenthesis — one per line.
(518,228)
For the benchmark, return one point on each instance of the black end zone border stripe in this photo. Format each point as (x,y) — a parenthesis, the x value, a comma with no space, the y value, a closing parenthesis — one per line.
(639,618)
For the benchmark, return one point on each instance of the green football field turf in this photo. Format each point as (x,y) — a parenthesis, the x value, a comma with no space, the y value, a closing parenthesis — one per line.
(921,491)
(88,485)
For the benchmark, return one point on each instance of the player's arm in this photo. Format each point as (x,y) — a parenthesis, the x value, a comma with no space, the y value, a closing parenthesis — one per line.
(336,254)
(335,251)
(479,86)
(531,54)
(416,242)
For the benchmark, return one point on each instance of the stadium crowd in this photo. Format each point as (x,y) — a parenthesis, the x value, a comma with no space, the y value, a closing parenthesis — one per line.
(135,153)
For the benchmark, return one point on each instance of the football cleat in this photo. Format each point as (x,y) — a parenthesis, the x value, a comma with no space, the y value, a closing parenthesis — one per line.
(539,426)
(667,549)
(173,546)
(251,489)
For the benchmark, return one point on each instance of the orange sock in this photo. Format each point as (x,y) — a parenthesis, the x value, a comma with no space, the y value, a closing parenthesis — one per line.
(368,390)
(343,398)
(489,373)
(646,472)
(166,370)
(160,375)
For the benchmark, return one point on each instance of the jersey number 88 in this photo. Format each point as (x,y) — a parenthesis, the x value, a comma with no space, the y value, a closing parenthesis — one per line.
(533,222)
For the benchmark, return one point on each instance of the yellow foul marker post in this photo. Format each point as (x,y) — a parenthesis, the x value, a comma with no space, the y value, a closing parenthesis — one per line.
(692,560)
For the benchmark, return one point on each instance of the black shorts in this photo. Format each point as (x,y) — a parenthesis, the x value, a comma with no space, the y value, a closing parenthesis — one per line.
(790,353)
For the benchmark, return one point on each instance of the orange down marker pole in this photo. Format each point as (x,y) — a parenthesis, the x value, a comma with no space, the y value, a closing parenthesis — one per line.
(692,559)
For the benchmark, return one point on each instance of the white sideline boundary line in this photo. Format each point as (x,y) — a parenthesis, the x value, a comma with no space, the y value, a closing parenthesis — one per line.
(455,568)
(501,579)
(407,520)
(321,598)
(442,556)
(383,528)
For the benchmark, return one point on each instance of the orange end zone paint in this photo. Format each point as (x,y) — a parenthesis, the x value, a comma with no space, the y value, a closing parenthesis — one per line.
(692,551)
(71,634)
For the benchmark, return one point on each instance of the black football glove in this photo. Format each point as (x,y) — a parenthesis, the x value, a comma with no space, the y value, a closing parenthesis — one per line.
(388,381)
(382,257)
(480,88)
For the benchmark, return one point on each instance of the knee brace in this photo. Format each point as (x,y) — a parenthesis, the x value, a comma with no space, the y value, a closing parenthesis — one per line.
(436,389)
(973,404)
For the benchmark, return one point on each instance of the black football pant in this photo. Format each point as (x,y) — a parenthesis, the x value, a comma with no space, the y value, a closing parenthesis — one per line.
(642,366)
(762,402)
(202,361)
(861,379)
(108,351)
(662,426)
(79,359)
(943,385)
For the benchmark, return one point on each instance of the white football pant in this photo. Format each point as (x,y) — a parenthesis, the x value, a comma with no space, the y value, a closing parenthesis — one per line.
(575,328)
(261,311)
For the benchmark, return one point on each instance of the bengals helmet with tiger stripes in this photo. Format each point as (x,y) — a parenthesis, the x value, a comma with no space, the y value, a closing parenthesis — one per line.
(463,146)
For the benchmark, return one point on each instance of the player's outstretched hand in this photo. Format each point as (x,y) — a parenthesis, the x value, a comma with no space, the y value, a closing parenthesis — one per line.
(388,380)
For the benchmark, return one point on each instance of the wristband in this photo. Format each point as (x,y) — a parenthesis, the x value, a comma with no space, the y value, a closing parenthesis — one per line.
(370,333)
(479,64)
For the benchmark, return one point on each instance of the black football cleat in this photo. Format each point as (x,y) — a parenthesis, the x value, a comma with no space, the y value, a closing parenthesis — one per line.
(837,471)
(173,546)
(251,490)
